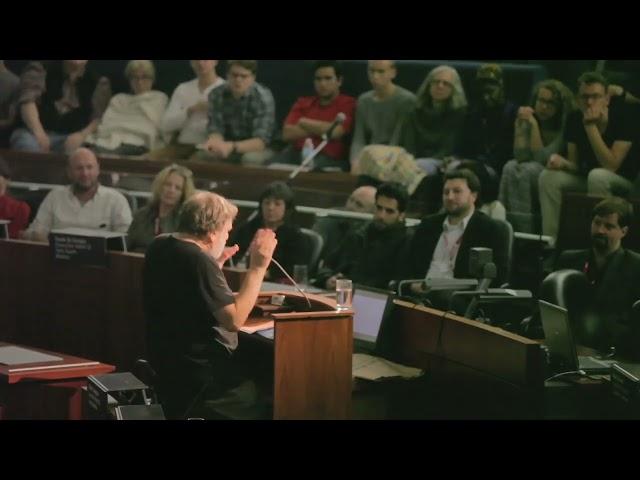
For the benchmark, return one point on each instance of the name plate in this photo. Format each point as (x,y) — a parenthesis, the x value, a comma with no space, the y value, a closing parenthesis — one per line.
(81,246)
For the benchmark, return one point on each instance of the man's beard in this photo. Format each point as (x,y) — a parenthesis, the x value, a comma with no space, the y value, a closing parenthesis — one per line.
(600,243)
(459,211)
(379,225)
(83,188)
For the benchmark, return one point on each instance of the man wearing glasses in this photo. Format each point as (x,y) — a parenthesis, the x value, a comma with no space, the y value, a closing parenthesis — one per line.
(600,159)
(241,117)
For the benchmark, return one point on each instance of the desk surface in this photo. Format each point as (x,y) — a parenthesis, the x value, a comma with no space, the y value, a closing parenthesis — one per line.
(65,368)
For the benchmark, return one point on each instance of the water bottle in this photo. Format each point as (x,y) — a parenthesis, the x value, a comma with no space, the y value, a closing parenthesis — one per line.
(307,149)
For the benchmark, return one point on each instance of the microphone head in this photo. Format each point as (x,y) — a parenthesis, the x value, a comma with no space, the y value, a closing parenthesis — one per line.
(340,118)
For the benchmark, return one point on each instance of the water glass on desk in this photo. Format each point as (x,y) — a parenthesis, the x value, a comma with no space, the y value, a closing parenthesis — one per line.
(301,275)
(344,293)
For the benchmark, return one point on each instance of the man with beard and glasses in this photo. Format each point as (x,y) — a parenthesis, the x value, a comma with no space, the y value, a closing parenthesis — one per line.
(442,243)
(371,255)
(83,204)
(613,275)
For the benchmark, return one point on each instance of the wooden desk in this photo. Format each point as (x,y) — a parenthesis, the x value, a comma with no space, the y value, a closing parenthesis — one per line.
(91,312)
(46,390)
(472,370)
(97,312)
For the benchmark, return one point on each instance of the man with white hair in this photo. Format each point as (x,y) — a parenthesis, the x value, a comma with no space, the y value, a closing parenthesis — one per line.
(192,316)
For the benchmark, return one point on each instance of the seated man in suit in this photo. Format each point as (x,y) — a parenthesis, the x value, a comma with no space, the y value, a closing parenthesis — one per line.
(441,245)
(613,275)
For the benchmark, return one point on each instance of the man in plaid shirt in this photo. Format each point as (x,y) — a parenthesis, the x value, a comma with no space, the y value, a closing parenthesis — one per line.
(241,117)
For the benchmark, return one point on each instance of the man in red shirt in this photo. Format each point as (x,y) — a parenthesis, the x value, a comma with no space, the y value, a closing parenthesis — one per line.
(312,117)
(15,211)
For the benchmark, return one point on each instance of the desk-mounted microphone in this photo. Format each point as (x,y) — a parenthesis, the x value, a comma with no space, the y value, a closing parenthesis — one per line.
(292,281)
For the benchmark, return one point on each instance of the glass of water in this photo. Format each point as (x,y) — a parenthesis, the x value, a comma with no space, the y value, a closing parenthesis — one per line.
(301,275)
(344,292)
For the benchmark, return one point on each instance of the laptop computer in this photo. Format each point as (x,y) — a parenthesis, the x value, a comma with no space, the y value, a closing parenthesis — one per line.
(369,306)
(560,342)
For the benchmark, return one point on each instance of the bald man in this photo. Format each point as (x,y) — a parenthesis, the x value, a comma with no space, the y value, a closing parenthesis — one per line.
(83,204)
(334,229)
(362,200)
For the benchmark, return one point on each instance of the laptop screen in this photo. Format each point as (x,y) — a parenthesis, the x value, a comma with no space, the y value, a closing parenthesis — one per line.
(369,307)
(557,334)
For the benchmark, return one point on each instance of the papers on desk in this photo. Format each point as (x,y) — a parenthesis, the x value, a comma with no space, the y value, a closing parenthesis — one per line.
(376,368)
(12,355)
(254,325)
(268,333)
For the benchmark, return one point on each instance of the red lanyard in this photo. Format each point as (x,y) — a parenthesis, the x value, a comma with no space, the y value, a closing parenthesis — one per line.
(585,270)
(453,251)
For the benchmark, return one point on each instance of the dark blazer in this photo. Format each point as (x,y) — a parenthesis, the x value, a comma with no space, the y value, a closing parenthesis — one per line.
(611,297)
(481,231)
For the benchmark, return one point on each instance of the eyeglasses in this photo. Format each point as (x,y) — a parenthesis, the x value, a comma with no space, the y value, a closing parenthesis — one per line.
(140,77)
(585,97)
(242,76)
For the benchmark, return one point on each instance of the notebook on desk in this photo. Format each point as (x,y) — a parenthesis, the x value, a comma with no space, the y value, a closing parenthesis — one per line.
(369,306)
(560,342)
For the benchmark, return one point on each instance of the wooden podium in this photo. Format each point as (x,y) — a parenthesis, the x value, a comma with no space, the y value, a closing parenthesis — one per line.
(48,389)
(312,353)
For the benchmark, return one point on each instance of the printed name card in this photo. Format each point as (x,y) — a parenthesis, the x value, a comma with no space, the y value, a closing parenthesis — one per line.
(81,246)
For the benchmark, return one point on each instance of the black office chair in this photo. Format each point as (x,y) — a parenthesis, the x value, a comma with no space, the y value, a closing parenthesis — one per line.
(506,243)
(315,244)
(143,370)
(565,288)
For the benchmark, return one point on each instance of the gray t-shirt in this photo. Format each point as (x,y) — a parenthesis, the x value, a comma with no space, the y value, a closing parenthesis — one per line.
(182,291)
(377,120)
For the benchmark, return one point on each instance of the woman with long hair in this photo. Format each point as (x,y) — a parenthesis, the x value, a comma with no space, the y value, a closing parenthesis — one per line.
(539,134)
(171,188)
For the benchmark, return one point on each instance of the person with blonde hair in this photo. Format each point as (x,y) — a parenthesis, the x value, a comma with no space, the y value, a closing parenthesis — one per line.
(192,316)
(131,124)
(171,188)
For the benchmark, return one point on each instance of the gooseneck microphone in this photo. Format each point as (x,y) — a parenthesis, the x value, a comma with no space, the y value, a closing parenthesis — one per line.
(292,281)
(297,287)
(340,118)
